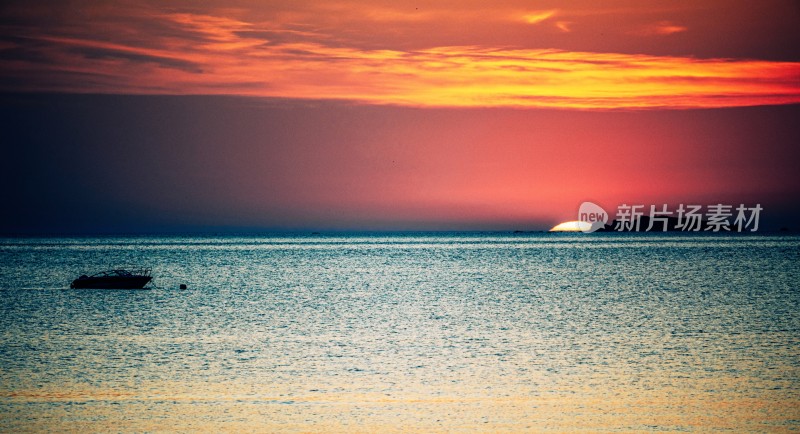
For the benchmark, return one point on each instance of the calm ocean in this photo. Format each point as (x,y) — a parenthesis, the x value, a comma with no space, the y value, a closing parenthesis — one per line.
(428,333)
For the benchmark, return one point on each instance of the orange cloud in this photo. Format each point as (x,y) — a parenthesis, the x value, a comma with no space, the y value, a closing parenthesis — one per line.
(660,28)
(204,54)
(537,17)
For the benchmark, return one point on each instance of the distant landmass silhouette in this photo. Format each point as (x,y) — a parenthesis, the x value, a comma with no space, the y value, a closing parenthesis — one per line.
(658,226)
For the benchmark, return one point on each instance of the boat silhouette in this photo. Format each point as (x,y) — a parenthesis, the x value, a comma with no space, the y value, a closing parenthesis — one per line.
(114,279)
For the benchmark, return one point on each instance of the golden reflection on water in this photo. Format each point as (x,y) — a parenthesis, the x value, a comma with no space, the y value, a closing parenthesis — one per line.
(248,407)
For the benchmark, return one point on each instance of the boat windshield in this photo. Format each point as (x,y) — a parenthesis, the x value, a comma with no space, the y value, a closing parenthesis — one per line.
(124,272)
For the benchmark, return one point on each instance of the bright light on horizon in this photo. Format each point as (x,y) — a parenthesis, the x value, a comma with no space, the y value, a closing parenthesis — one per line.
(571,226)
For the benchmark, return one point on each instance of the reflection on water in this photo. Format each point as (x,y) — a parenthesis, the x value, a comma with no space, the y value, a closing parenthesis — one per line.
(534,332)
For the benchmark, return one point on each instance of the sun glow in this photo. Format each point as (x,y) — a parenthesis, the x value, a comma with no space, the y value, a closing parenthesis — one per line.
(571,226)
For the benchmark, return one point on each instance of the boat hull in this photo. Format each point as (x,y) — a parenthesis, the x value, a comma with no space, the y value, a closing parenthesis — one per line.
(113,282)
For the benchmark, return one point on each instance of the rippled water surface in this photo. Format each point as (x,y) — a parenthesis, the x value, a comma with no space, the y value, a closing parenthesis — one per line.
(476,332)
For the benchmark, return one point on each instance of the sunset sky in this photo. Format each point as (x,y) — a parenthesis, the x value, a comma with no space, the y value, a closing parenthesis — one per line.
(139,116)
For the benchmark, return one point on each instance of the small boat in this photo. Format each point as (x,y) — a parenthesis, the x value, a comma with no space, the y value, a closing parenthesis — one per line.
(114,279)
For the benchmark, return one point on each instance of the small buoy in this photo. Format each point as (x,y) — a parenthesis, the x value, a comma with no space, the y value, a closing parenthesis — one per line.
(183,286)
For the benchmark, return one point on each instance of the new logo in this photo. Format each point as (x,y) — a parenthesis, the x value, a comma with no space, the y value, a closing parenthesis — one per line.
(592,217)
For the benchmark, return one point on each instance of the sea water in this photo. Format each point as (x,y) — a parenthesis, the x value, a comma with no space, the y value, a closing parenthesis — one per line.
(407,332)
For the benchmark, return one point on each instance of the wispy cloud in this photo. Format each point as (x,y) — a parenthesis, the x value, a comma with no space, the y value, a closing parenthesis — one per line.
(660,28)
(192,53)
(537,17)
